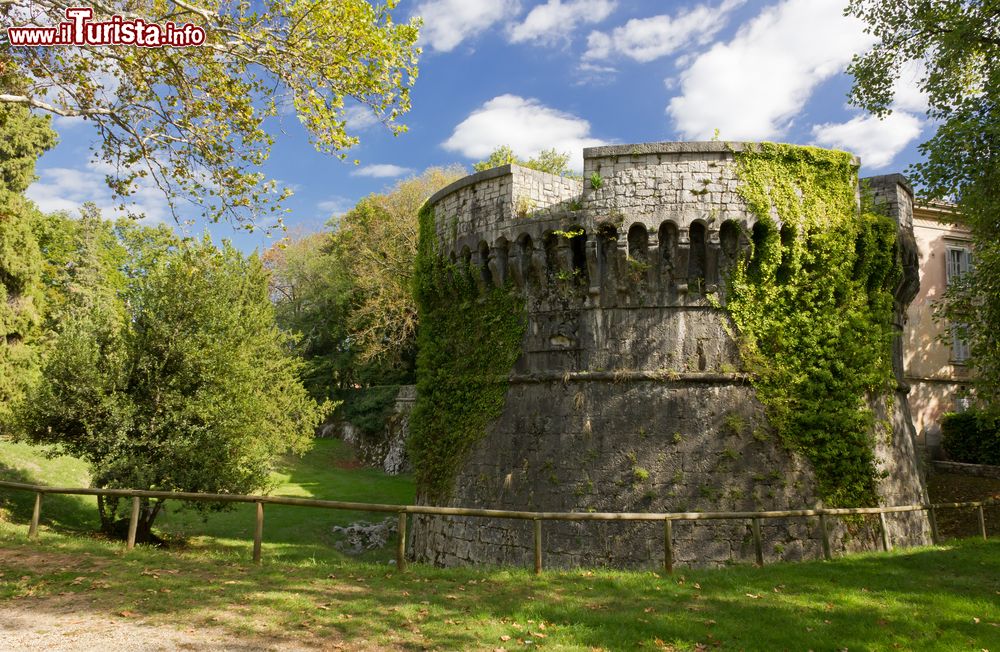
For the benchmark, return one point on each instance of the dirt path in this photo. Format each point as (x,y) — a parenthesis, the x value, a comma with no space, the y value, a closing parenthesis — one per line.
(63,623)
(80,622)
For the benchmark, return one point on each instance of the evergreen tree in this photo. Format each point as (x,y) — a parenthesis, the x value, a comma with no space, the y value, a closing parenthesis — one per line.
(193,389)
(23,138)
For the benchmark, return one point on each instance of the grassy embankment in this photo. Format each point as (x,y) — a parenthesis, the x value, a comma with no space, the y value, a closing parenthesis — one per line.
(942,598)
(328,471)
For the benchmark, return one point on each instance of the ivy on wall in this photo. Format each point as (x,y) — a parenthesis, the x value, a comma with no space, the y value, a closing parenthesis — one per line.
(813,305)
(468,341)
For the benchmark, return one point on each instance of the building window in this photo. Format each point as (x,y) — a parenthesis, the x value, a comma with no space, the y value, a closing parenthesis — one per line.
(959,262)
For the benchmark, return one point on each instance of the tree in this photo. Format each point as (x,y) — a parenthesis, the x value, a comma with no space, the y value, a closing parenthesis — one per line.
(311,290)
(548,160)
(957,42)
(377,241)
(23,138)
(82,264)
(191,120)
(192,389)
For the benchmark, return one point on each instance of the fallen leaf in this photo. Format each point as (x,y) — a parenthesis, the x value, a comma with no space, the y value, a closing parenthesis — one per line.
(505,638)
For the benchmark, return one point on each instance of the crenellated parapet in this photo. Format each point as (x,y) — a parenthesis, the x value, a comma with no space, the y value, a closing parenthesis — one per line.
(651,224)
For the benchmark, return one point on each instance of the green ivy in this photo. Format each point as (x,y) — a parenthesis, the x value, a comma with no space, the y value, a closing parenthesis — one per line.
(468,341)
(813,307)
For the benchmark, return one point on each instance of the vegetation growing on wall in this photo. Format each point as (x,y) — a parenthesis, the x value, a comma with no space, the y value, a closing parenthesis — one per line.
(813,305)
(467,343)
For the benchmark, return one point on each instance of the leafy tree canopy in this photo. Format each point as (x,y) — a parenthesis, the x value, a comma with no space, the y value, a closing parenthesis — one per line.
(957,43)
(186,385)
(311,291)
(192,120)
(377,241)
(548,160)
(347,294)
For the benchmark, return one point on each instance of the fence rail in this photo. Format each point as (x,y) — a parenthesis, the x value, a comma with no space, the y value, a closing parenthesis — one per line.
(667,518)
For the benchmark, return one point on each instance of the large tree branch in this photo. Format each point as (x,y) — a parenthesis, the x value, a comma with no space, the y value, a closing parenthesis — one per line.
(51,108)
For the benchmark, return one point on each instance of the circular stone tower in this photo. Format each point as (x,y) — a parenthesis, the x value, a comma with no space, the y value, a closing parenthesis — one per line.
(631,385)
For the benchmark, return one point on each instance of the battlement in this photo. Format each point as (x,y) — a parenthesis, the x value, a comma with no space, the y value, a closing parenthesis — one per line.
(648,223)
(657,220)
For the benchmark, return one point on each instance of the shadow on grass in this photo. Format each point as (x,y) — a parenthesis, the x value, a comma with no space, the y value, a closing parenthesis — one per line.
(294,533)
(938,598)
(60,512)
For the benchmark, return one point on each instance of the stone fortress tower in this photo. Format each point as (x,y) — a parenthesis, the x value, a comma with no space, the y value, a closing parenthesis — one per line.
(629,393)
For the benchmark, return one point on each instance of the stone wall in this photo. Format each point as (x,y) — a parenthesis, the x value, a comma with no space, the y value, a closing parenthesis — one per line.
(629,394)
(386,449)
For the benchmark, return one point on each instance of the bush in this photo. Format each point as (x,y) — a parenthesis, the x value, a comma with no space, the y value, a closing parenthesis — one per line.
(971,437)
(368,409)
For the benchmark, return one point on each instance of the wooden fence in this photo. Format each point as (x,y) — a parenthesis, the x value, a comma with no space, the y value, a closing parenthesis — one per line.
(667,519)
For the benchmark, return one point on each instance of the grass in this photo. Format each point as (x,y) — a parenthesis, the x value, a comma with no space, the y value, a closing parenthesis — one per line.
(940,598)
(328,471)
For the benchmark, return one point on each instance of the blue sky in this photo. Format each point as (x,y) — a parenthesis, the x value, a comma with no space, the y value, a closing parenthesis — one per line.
(537,74)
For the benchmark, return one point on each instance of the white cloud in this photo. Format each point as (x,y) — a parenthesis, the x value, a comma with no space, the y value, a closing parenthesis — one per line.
(336,204)
(646,39)
(752,87)
(449,22)
(556,19)
(381,171)
(906,89)
(333,207)
(359,118)
(66,189)
(526,125)
(876,141)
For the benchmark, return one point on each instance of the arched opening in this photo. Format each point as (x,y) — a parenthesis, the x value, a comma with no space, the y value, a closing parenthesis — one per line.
(762,236)
(551,254)
(578,247)
(698,252)
(522,256)
(638,243)
(729,238)
(787,236)
(668,239)
(484,264)
(607,244)
(501,249)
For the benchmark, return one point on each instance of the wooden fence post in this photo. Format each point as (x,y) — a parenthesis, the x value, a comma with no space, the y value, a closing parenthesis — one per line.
(668,546)
(757,545)
(258,532)
(401,543)
(133,524)
(886,544)
(825,537)
(36,514)
(982,522)
(538,546)
(934,528)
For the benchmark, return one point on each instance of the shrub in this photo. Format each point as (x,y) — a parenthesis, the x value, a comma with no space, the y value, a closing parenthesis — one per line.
(972,437)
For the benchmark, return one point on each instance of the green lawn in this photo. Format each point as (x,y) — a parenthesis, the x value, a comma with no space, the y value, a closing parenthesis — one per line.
(328,471)
(941,598)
